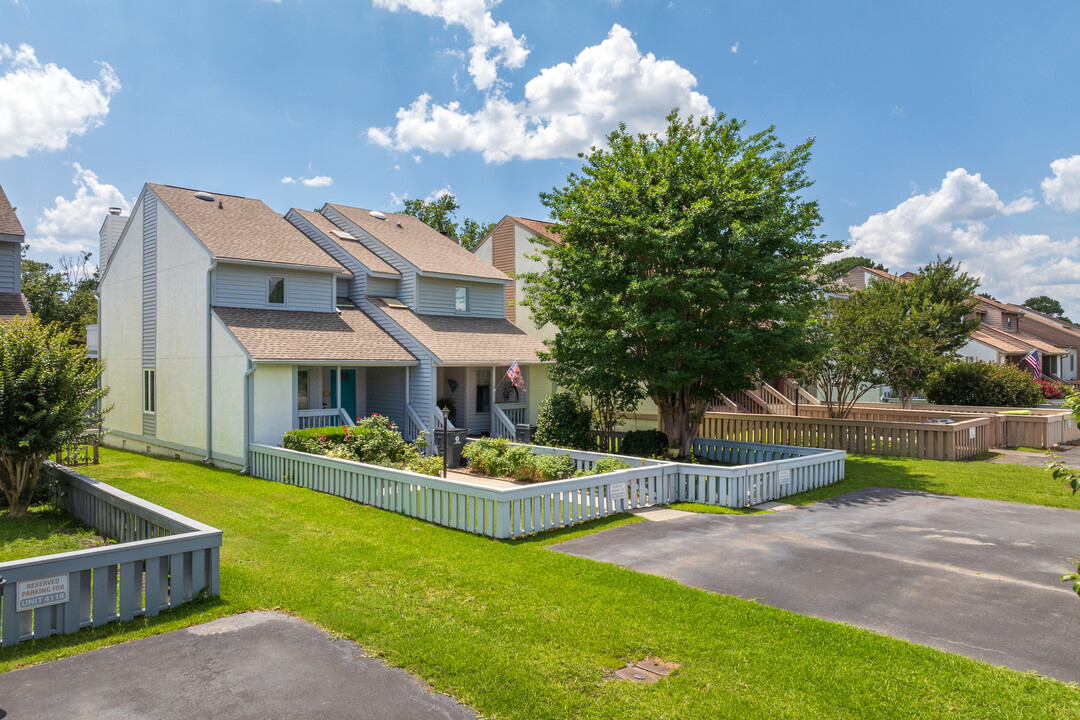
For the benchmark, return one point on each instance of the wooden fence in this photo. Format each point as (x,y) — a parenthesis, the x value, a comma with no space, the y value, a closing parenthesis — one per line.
(163,559)
(767,473)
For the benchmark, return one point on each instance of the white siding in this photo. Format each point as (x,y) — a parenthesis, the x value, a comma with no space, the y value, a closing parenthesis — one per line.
(149,279)
(121,331)
(382,287)
(230,364)
(274,402)
(246,286)
(485,299)
(975,350)
(483,250)
(386,394)
(10,267)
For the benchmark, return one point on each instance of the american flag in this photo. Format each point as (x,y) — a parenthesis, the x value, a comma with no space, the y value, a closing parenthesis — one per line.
(1032,359)
(514,373)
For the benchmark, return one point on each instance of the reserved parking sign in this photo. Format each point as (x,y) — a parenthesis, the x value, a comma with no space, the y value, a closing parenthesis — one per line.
(33,594)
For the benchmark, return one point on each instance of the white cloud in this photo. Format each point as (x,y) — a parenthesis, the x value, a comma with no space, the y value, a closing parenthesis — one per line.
(735,48)
(289,180)
(438,193)
(1062,192)
(72,225)
(318,181)
(492,43)
(567,108)
(398,200)
(953,220)
(42,106)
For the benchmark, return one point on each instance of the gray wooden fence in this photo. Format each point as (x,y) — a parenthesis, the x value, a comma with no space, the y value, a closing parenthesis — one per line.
(162,560)
(767,472)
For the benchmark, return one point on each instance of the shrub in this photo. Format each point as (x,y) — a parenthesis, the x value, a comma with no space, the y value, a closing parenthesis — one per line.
(48,395)
(981,383)
(644,443)
(608,464)
(1051,390)
(485,455)
(563,422)
(374,440)
(553,467)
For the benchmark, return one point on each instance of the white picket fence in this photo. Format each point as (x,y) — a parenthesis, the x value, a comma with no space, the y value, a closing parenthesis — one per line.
(161,561)
(527,509)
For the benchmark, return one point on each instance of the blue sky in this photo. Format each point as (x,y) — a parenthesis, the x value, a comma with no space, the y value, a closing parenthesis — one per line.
(942,128)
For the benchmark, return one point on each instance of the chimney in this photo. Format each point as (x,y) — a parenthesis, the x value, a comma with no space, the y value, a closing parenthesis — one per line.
(109,235)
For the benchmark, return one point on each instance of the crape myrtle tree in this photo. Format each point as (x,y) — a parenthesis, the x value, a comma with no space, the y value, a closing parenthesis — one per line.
(684,267)
(917,326)
(49,396)
(846,368)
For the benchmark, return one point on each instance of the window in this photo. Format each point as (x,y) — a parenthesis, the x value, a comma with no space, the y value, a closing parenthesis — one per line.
(461,299)
(1008,322)
(302,390)
(149,391)
(275,290)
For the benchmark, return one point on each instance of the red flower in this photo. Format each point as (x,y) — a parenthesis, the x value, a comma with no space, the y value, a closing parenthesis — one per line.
(322,437)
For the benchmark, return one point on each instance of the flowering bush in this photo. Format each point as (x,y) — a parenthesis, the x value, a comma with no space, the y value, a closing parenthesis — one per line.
(1051,390)
(374,440)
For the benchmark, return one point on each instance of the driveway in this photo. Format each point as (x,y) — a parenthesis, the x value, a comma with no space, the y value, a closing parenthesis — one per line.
(255,665)
(976,577)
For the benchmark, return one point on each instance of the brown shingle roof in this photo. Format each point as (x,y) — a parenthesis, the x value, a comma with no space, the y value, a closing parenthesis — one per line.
(466,340)
(1014,343)
(9,222)
(427,249)
(348,336)
(1054,330)
(243,229)
(370,260)
(540,227)
(999,305)
(12,304)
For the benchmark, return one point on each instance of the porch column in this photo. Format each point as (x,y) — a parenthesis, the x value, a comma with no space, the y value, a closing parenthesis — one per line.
(493,420)
(337,380)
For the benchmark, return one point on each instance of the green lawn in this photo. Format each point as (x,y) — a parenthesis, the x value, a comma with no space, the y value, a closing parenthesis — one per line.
(992,481)
(517,631)
(44,531)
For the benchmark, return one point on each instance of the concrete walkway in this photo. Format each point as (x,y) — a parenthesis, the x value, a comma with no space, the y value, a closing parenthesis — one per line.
(975,577)
(1065,453)
(255,665)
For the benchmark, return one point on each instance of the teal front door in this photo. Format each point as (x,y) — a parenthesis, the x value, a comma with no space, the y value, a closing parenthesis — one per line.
(348,391)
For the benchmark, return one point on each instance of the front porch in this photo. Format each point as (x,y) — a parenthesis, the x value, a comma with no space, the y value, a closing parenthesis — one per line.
(485,402)
(337,395)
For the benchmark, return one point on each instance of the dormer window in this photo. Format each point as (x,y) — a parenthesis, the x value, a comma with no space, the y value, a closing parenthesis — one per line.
(461,299)
(275,291)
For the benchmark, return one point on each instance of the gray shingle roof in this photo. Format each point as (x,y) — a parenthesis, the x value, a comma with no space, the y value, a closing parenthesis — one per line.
(430,251)
(370,260)
(12,304)
(466,340)
(9,222)
(243,229)
(348,336)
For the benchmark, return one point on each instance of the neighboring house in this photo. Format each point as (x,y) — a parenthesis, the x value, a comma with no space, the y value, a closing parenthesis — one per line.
(222,323)
(12,301)
(508,247)
(1061,333)
(999,338)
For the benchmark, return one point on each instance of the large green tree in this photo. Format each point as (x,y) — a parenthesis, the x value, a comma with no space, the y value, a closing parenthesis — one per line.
(917,326)
(684,266)
(62,296)
(49,397)
(1047,305)
(439,213)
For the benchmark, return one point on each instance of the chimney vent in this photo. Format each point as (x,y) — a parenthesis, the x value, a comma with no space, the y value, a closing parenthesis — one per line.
(115,211)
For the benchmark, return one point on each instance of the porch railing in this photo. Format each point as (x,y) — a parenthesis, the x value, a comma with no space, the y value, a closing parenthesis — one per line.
(515,412)
(501,426)
(327,417)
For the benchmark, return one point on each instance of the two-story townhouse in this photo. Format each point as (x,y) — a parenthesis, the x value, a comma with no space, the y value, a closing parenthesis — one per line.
(1058,332)
(209,304)
(222,323)
(442,304)
(12,301)
(999,338)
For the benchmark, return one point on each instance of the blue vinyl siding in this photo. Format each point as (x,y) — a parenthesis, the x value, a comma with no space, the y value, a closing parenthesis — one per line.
(484,299)
(240,286)
(382,287)
(10,266)
(386,393)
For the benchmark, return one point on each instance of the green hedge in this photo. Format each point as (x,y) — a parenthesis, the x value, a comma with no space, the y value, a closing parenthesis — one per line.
(982,383)
(644,443)
(498,458)
(563,421)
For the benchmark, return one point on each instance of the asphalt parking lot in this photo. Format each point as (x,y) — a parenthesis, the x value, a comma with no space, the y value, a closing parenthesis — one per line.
(976,577)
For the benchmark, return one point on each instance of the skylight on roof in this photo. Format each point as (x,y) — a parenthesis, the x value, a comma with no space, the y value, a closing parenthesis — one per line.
(343,235)
(393,302)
